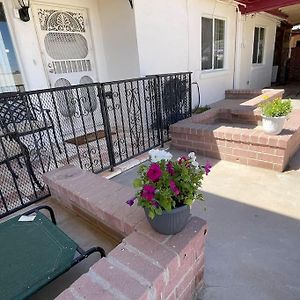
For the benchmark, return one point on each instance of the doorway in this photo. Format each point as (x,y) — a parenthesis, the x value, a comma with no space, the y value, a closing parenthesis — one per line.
(10,74)
(65,43)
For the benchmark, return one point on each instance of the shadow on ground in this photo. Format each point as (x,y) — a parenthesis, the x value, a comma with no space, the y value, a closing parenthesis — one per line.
(251,253)
(253,242)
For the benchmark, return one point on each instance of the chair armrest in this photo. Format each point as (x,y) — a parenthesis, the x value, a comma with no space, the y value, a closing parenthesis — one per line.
(41,111)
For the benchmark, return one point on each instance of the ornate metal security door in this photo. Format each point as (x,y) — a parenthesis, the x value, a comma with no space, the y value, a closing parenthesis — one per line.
(66,47)
(66,44)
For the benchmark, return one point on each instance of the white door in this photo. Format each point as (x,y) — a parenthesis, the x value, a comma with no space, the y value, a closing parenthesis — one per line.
(65,43)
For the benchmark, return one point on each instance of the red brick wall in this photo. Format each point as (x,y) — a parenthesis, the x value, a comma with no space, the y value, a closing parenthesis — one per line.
(246,145)
(295,64)
(146,265)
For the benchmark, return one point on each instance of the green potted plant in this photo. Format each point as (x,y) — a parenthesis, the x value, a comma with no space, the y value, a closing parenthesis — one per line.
(166,189)
(274,114)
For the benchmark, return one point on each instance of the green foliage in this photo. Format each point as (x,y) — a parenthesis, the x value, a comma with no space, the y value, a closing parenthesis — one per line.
(201,109)
(276,108)
(187,176)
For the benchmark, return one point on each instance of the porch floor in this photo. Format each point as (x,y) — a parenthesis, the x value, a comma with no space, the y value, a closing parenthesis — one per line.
(253,219)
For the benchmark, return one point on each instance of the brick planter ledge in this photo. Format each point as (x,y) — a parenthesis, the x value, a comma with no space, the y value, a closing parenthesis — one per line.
(145,265)
(233,134)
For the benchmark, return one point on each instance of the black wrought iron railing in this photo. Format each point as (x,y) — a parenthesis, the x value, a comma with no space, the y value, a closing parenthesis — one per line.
(93,126)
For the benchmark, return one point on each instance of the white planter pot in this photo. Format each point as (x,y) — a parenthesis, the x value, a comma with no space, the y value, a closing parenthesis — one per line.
(273,125)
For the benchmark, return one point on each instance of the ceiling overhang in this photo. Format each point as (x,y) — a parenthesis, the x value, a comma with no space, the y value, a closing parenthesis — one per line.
(288,10)
(253,6)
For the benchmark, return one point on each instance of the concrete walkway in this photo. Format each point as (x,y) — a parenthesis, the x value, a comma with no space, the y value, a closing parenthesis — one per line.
(253,242)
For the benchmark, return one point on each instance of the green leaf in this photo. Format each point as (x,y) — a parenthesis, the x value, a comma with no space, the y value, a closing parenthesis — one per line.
(189,201)
(137,183)
(151,214)
(276,108)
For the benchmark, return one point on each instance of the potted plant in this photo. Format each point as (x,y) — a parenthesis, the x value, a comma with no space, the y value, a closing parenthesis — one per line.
(166,189)
(274,114)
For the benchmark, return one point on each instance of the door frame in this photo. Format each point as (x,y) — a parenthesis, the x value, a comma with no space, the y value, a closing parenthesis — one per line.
(7,7)
(34,5)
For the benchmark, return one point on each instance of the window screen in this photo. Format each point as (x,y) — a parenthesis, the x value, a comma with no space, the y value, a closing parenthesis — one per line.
(258,45)
(207,45)
(219,44)
(212,43)
(66,45)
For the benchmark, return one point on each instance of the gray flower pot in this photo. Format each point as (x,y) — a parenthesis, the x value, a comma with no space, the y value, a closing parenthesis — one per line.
(170,222)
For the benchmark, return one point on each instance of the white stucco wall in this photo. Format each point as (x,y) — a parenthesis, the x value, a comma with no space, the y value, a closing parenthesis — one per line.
(213,83)
(256,76)
(119,39)
(27,45)
(169,40)
(161,35)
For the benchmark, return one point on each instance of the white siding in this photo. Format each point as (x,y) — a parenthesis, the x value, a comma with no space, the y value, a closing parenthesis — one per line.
(250,75)
(169,40)
(212,83)
(162,35)
(119,39)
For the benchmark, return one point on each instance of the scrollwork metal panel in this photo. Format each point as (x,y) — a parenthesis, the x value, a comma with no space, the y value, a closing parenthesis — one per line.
(55,20)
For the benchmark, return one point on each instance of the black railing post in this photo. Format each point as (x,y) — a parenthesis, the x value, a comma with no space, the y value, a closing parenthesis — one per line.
(106,125)
(158,108)
(190,95)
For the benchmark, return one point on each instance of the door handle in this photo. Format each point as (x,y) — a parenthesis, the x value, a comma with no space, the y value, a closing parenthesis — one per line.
(50,68)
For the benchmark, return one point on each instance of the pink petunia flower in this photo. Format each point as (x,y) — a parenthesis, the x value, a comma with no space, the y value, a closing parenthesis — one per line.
(207,167)
(154,173)
(170,168)
(184,160)
(174,188)
(154,203)
(148,192)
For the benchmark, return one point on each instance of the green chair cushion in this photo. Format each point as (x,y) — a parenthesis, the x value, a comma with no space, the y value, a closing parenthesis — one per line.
(31,255)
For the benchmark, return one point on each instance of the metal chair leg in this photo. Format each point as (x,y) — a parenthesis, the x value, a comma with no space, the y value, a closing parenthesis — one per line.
(85,254)
(31,172)
(28,165)
(11,170)
(19,162)
(56,140)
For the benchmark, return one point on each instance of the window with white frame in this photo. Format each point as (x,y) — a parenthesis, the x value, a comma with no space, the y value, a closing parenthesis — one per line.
(258,45)
(212,43)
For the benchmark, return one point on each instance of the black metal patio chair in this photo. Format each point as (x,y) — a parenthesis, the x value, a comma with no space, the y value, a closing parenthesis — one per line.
(19,115)
(174,95)
(11,148)
(34,251)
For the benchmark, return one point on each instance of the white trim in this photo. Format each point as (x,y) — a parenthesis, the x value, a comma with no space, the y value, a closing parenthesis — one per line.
(213,17)
(264,43)
(214,73)
(35,5)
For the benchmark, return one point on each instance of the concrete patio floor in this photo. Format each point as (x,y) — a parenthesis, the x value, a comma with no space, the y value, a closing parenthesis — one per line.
(253,214)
